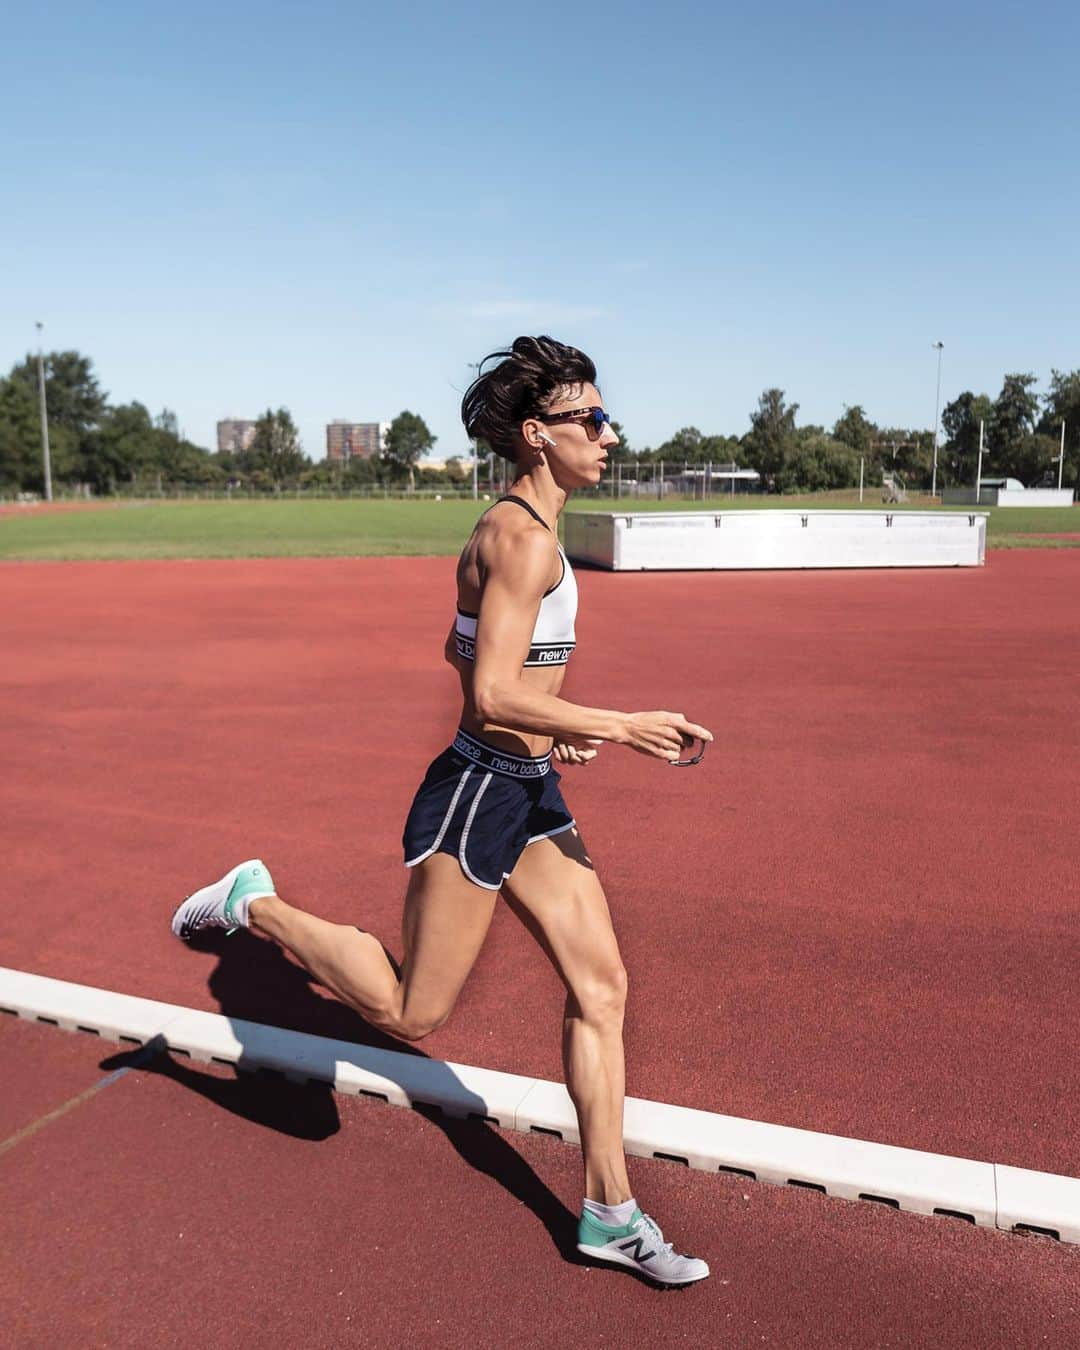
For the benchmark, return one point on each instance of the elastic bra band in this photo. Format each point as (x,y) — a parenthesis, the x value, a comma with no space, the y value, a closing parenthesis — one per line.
(540,654)
(498,761)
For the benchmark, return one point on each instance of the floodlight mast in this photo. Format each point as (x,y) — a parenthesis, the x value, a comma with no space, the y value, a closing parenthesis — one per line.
(45,461)
(978,475)
(939,346)
(1061,455)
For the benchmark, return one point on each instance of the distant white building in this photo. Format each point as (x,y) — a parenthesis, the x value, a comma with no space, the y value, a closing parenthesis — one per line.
(1006,492)
(432,465)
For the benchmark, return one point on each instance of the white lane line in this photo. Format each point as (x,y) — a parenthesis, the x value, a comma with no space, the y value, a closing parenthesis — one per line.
(986,1193)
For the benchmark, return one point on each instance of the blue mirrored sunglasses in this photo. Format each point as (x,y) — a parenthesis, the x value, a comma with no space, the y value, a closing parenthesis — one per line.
(592,419)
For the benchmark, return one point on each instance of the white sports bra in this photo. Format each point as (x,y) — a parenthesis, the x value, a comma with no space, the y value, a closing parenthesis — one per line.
(553,634)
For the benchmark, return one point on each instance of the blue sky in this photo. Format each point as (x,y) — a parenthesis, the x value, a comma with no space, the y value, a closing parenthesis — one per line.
(337,207)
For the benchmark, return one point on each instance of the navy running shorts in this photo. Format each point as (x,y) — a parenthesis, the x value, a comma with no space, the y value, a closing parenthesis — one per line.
(484,808)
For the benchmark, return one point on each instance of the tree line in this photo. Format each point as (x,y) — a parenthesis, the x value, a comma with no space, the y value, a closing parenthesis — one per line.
(123,448)
(110,448)
(1021,434)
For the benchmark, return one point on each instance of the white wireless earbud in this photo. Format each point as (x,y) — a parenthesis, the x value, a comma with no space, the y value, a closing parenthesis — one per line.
(545,437)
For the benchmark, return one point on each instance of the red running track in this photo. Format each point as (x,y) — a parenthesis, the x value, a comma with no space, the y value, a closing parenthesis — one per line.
(183,1206)
(857,916)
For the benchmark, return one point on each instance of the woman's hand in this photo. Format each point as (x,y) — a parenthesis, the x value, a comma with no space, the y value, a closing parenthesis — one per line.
(577,750)
(662,735)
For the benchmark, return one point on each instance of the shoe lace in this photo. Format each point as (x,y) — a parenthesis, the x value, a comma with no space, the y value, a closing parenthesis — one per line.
(665,1249)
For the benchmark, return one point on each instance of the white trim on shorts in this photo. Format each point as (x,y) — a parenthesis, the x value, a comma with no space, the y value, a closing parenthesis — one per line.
(549,835)
(487,885)
(411,862)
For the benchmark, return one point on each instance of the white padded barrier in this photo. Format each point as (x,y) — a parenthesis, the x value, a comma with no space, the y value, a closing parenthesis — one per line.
(80,1007)
(1012,1198)
(400,1079)
(926,1183)
(763,538)
(547,1108)
(1038,1202)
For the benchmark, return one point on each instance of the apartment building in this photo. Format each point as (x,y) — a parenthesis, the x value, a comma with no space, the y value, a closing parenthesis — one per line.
(234,434)
(359,440)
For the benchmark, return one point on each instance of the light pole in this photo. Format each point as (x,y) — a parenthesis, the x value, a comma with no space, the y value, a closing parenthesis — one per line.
(44,418)
(1061,456)
(937,408)
(978,472)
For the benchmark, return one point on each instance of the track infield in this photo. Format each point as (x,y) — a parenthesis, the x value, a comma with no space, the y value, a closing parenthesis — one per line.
(115,529)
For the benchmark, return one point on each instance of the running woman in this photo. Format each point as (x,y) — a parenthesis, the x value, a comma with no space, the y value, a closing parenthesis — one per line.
(489,817)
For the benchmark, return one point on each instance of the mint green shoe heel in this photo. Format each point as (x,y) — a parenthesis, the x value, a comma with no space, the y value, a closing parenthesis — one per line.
(224,904)
(252,879)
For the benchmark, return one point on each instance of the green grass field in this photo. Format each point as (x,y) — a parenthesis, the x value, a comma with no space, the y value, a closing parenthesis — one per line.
(354,528)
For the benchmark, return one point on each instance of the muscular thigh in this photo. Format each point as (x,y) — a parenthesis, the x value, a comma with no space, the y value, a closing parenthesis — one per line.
(556,893)
(443,927)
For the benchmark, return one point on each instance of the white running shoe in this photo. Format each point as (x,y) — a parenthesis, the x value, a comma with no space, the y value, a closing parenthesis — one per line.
(639,1245)
(225,903)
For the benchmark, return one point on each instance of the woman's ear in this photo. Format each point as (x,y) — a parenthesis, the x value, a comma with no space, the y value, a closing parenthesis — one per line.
(533,434)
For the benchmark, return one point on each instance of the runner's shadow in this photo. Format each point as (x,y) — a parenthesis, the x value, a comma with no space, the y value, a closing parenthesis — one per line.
(302,1110)
(254,982)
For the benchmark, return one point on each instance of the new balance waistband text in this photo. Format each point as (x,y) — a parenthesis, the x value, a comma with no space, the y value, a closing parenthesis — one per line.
(497,761)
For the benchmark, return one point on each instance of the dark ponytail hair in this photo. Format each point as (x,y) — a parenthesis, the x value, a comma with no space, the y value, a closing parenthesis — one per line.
(527,380)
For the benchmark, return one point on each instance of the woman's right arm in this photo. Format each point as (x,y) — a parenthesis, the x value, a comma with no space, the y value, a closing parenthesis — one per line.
(517,568)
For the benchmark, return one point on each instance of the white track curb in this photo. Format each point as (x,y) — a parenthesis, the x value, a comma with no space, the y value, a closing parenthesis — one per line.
(989,1194)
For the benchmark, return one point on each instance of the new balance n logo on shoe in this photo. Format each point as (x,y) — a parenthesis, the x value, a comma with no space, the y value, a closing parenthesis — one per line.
(637,1244)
